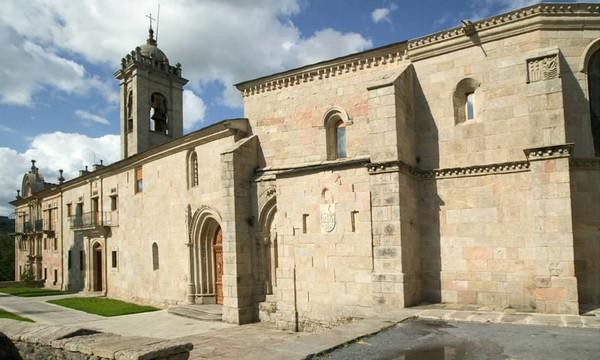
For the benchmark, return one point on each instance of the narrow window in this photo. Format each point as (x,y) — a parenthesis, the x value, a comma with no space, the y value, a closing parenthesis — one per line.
(45,274)
(470,106)
(69,260)
(69,213)
(130,112)
(304,223)
(353,217)
(139,180)
(594,90)
(194,169)
(55,244)
(114,203)
(45,244)
(155,264)
(81,260)
(20,271)
(340,136)
(55,276)
(114,259)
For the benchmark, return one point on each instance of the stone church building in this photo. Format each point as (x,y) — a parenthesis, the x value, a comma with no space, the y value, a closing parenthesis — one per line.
(461,167)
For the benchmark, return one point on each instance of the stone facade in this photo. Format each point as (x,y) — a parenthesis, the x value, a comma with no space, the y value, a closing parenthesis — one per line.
(459,168)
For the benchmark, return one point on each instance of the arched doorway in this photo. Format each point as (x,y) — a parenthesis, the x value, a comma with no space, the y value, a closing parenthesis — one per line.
(268,228)
(218,254)
(207,263)
(97,267)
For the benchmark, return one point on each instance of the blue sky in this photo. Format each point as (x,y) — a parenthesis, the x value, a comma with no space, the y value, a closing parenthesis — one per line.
(59,101)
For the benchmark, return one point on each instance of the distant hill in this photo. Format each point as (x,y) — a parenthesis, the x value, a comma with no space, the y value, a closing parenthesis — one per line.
(7,249)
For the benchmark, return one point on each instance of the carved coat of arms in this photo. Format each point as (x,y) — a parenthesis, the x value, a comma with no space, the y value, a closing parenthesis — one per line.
(327,217)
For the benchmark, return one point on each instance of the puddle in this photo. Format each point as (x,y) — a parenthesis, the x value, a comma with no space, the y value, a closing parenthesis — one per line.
(437,353)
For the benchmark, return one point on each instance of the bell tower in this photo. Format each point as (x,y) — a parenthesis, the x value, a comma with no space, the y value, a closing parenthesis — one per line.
(151,93)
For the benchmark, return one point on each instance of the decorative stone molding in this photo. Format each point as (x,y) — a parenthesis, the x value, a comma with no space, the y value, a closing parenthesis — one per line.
(468,171)
(388,55)
(549,152)
(543,68)
(503,19)
(585,164)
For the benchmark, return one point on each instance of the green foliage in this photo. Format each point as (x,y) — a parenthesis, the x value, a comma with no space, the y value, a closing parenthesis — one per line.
(31,292)
(8,315)
(7,250)
(102,306)
(27,274)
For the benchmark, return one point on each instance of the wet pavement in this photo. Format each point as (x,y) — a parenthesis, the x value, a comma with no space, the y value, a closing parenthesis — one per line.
(450,340)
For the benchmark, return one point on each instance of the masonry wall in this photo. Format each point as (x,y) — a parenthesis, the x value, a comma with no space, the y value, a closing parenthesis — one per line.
(324,275)
(586,232)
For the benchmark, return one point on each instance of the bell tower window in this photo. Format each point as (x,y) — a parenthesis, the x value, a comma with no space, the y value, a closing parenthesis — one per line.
(158,114)
(130,111)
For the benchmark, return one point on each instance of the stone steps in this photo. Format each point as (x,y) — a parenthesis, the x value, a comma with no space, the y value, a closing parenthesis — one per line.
(198,312)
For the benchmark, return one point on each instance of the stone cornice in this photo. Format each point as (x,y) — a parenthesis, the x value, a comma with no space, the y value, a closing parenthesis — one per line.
(390,54)
(592,164)
(467,171)
(489,28)
(269,174)
(549,152)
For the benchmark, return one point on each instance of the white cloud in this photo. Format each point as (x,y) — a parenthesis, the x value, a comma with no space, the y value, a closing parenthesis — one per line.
(380,14)
(90,118)
(33,68)
(193,109)
(53,151)
(223,41)
(383,14)
(7,129)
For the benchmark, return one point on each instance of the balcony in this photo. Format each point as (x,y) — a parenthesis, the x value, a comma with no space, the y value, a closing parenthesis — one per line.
(93,220)
(32,227)
(49,227)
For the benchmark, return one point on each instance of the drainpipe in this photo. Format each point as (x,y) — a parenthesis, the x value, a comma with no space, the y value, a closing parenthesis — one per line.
(191,297)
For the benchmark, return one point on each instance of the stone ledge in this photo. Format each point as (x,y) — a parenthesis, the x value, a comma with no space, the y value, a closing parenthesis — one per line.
(41,341)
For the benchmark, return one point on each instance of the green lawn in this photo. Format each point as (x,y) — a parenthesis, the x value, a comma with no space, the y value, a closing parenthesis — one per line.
(31,292)
(8,315)
(102,306)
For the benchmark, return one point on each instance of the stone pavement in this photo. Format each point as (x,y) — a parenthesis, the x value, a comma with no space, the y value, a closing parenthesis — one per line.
(218,340)
(156,324)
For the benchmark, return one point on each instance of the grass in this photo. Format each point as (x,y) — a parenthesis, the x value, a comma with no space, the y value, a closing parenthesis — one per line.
(8,315)
(102,306)
(31,292)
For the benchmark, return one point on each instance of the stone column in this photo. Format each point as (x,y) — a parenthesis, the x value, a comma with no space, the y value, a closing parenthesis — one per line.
(190,289)
(555,281)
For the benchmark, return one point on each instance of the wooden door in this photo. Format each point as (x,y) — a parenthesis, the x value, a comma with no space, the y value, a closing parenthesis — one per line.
(218,249)
(98,269)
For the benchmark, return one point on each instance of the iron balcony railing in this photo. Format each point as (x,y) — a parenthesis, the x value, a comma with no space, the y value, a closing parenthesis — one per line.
(32,226)
(91,220)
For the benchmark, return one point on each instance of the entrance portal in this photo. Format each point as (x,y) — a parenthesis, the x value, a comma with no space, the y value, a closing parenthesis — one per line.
(218,249)
(98,270)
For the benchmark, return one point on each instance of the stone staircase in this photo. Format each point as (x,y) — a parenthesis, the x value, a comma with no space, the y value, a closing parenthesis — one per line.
(198,312)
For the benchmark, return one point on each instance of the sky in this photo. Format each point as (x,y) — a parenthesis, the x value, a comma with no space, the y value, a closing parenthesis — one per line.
(59,99)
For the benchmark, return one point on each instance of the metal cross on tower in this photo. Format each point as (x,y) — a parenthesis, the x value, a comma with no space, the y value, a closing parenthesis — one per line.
(149,16)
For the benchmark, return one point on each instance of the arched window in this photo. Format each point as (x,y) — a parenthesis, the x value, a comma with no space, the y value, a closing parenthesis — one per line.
(593,69)
(155,264)
(194,169)
(159,121)
(335,126)
(465,100)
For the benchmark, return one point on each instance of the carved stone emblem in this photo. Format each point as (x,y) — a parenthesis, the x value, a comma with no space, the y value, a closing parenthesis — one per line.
(327,217)
(542,68)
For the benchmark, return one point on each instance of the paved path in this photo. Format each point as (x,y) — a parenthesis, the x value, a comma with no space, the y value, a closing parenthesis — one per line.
(444,340)
(156,324)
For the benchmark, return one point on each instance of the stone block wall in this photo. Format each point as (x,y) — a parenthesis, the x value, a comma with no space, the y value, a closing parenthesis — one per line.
(585,202)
